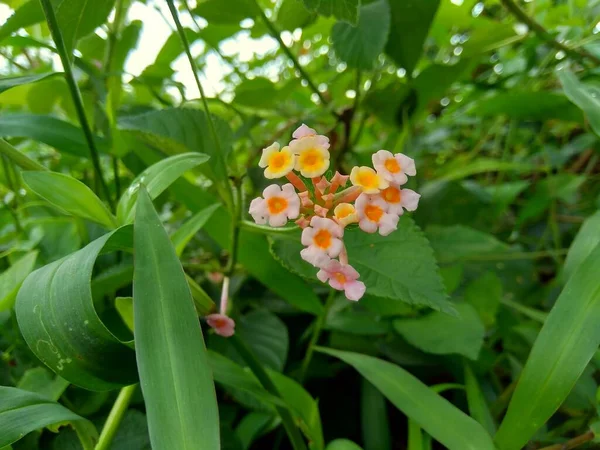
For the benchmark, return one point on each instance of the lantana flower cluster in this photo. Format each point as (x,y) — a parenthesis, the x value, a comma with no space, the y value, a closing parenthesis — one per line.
(375,200)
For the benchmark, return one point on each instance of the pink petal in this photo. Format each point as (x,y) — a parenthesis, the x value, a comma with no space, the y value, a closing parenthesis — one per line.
(222,324)
(303,131)
(354,290)
(314,256)
(409,199)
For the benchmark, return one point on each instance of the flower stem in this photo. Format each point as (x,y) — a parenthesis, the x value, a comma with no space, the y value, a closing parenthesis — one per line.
(65,58)
(211,123)
(318,328)
(286,417)
(114,418)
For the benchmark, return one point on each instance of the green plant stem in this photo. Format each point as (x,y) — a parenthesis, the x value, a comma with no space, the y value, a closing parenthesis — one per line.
(314,338)
(286,417)
(521,15)
(19,158)
(76,96)
(114,418)
(572,443)
(11,186)
(277,35)
(211,123)
(235,229)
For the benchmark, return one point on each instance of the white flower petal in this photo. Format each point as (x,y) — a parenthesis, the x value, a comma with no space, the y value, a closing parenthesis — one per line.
(267,153)
(307,236)
(278,220)
(367,226)
(409,199)
(387,224)
(272,191)
(335,248)
(407,164)
(354,290)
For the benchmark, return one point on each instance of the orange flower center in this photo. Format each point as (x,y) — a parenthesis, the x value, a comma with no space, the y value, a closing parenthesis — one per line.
(340,277)
(278,160)
(322,239)
(277,204)
(310,158)
(373,213)
(344,211)
(368,179)
(392,165)
(391,194)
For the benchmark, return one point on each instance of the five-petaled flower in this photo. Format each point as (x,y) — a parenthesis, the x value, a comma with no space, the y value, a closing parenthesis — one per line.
(375,201)
(277,205)
(342,277)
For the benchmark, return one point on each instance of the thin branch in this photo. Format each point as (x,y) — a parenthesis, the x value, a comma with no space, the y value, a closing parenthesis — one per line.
(277,35)
(572,443)
(76,95)
(538,29)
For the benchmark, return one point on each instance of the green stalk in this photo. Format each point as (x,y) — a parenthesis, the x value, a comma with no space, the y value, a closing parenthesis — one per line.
(258,370)
(211,124)
(114,418)
(277,35)
(19,158)
(318,328)
(235,230)
(75,95)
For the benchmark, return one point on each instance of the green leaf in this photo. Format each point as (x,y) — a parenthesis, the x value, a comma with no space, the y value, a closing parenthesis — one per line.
(444,334)
(237,10)
(56,316)
(342,444)
(157,178)
(259,92)
(190,227)
(124,306)
(485,294)
(360,46)
(586,97)
(43,382)
(346,10)
(22,412)
(12,278)
(478,407)
(411,20)
(27,14)
(585,241)
(252,426)
(54,132)
(449,425)
(10,82)
(528,105)
(168,336)
(293,14)
(374,418)
(69,195)
(267,336)
(183,129)
(565,345)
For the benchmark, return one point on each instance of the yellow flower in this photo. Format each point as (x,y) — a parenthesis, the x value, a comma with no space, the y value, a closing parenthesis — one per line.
(277,163)
(367,179)
(312,158)
(345,214)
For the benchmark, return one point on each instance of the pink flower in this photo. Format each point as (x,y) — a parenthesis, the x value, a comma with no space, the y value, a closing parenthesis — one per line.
(279,204)
(393,168)
(222,324)
(323,241)
(397,199)
(342,278)
(373,215)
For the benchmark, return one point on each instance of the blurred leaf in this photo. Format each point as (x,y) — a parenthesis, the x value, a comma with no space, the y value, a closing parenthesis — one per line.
(374,418)
(346,10)
(27,14)
(568,340)
(175,130)
(43,382)
(22,412)
(56,316)
(482,165)
(478,407)
(293,14)
(132,433)
(259,93)
(584,243)
(528,105)
(70,195)
(156,178)
(436,79)
(444,334)
(360,45)
(12,278)
(342,444)
(354,322)
(485,294)
(267,336)
(449,425)
(190,227)
(411,20)
(237,10)
(57,133)
(124,306)
(167,334)
(10,82)
(586,97)
(252,426)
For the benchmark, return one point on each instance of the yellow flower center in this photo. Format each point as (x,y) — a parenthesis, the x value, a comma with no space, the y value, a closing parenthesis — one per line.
(340,277)
(279,160)
(368,179)
(311,159)
(277,204)
(322,239)
(392,165)
(373,213)
(391,194)
(344,210)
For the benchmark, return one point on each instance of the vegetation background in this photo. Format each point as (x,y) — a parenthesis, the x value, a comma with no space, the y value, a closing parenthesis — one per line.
(479,329)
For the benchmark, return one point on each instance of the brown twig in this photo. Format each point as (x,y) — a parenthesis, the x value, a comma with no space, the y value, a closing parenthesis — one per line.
(572,443)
